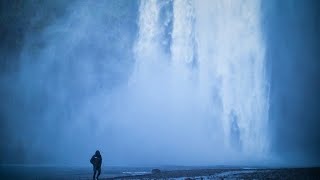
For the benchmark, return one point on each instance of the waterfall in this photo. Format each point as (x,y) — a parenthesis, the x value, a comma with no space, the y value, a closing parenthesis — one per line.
(215,65)
(231,52)
(149,33)
(183,44)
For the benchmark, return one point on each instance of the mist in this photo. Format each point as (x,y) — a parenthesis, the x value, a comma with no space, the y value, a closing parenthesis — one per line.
(160,82)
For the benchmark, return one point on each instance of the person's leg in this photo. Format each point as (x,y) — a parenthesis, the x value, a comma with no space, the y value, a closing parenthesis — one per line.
(99,172)
(94,173)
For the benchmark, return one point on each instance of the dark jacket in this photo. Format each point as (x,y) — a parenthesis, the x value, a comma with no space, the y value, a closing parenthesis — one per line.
(96,160)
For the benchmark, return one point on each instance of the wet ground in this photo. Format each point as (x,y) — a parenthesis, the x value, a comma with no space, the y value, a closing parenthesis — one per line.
(178,173)
(202,174)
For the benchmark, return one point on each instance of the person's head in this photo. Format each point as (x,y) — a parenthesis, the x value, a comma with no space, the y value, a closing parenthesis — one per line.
(97,153)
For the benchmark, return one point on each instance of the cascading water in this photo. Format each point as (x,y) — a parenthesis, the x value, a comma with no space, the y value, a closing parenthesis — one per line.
(159,82)
(183,44)
(214,73)
(231,47)
(196,95)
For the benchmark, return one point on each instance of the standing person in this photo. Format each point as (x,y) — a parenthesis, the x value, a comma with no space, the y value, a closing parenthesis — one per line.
(96,161)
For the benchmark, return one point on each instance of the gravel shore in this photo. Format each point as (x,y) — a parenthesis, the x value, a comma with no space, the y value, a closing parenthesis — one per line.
(189,173)
(283,173)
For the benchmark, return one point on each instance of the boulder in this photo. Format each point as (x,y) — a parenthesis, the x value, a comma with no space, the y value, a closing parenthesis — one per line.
(155,171)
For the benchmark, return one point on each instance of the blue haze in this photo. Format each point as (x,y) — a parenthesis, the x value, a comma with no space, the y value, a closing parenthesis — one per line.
(66,72)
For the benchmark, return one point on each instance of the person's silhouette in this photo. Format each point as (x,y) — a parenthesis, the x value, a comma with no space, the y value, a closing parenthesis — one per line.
(96,161)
